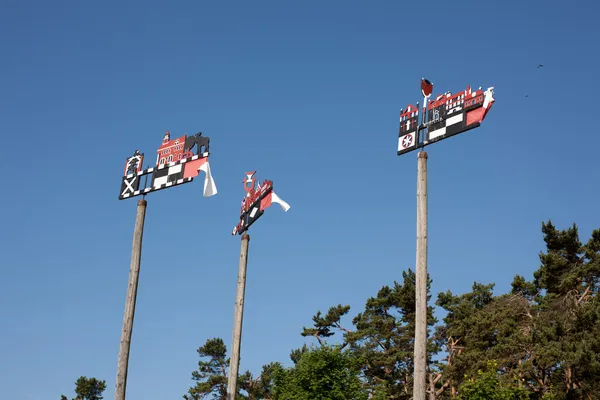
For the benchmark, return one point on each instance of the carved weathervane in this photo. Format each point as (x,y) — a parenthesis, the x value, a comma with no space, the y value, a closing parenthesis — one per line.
(447,115)
(257,199)
(178,161)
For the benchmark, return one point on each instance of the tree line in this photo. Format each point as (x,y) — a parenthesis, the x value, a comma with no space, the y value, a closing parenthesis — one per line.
(539,341)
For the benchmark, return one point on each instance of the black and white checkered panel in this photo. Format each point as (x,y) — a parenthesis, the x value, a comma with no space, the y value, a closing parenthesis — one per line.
(163,176)
(446,121)
(133,189)
(153,189)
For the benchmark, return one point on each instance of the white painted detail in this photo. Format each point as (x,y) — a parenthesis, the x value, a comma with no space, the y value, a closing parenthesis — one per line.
(437,133)
(455,119)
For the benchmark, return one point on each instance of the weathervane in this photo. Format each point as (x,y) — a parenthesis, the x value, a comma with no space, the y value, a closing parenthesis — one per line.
(257,199)
(445,116)
(178,161)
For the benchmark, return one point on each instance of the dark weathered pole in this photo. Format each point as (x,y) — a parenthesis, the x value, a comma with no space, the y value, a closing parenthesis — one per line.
(236,340)
(420,355)
(134,274)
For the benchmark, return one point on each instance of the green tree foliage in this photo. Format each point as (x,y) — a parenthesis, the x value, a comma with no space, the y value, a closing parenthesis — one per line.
(323,373)
(465,333)
(296,354)
(545,332)
(88,389)
(544,338)
(323,325)
(262,386)
(211,375)
(383,336)
(487,385)
(566,310)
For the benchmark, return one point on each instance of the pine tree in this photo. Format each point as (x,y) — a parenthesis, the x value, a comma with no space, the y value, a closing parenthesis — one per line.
(465,333)
(211,375)
(88,389)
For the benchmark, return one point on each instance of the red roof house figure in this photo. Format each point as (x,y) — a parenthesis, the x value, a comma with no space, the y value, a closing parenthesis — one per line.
(170,150)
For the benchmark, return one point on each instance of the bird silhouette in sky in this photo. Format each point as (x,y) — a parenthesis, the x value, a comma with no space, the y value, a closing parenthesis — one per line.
(539,66)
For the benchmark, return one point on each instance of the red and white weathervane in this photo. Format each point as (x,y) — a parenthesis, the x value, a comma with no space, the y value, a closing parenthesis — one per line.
(178,161)
(257,199)
(445,116)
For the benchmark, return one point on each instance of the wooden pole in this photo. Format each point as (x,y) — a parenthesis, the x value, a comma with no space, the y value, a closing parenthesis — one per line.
(420,355)
(238,318)
(134,273)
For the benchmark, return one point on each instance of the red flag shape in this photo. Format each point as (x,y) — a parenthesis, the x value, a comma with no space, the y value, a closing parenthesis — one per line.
(273,198)
(426,87)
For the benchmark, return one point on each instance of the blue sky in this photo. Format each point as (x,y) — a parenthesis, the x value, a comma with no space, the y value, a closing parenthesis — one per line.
(307,93)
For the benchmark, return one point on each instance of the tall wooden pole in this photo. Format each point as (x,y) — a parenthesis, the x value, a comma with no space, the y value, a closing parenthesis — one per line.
(134,274)
(238,318)
(420,356)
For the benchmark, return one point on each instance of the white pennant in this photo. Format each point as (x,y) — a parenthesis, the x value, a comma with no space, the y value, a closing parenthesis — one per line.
(209,184)
(276,199)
